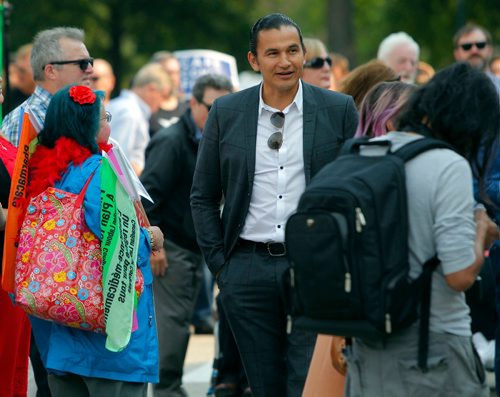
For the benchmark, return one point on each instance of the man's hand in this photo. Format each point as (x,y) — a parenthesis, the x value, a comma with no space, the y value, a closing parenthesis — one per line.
(159,262)
(484,225)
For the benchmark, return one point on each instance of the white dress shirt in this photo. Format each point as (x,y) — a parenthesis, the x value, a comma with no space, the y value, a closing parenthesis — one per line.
(130,125)
(279,178)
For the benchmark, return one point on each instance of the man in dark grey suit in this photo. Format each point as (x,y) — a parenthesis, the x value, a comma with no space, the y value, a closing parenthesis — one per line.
(260,148)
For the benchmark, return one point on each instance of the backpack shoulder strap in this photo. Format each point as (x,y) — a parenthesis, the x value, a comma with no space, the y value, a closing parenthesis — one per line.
(418,146)
(425,309)
(351,146)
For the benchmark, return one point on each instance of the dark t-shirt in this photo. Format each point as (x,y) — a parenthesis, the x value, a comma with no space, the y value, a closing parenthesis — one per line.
(165,118)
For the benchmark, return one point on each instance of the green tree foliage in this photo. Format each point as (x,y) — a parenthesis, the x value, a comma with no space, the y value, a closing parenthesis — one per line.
(128,32)
(431,23)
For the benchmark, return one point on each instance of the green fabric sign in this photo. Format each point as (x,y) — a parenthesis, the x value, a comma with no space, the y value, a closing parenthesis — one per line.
(120,245)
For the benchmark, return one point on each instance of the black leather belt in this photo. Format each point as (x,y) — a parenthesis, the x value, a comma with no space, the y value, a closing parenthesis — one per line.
(272,249)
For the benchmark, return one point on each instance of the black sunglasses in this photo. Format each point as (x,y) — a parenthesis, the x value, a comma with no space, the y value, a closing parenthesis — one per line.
(276,139)
(83,64)
(206,105)
(318,62)
(479,45)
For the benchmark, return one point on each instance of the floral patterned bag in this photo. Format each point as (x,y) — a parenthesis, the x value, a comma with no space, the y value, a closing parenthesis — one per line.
(58,275)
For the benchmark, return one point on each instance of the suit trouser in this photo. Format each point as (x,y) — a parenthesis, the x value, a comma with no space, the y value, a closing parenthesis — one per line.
(229,365)
(251,288)
(175,296)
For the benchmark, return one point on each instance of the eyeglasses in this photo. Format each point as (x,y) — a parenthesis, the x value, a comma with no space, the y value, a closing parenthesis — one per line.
(107,117)
(275,141)
(479,45)
(83,64)
(318,62)
(206,105)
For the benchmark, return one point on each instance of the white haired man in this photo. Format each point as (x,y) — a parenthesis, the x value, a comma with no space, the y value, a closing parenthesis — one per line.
(400,52)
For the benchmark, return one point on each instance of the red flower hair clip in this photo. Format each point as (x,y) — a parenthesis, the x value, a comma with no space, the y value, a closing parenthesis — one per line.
(82,95)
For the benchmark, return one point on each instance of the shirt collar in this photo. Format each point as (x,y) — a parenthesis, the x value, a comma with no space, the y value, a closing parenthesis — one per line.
(42,92)
(298,101)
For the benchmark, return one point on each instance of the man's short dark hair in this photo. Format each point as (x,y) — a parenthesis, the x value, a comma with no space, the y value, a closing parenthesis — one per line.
(469,28)
(216,81)
(271,21)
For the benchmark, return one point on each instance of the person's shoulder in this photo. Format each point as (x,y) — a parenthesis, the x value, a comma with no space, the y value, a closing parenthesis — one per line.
(75,176)
(239,99)
(87,167)
(172,132)
(14,113)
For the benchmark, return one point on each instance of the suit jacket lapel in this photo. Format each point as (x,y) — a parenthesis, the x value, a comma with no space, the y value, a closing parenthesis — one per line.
(309,127)
(250,128)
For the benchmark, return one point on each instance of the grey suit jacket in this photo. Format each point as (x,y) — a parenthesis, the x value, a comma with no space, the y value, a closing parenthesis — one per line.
(226,160)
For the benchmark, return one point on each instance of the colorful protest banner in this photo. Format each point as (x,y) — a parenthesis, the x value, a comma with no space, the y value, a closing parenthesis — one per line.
(120,245)
(17,196)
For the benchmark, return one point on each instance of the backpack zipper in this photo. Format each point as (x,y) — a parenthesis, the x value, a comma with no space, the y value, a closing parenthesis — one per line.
(360,220)
(347,281)
(388,324)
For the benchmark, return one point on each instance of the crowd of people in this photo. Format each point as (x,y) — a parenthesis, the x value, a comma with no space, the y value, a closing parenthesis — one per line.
(225,168)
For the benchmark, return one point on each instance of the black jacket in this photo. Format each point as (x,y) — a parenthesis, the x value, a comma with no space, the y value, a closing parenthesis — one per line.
(167,176)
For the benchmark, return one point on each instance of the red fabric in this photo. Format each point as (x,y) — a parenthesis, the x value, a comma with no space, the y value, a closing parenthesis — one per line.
(15,333)
(7,154)
(47,165)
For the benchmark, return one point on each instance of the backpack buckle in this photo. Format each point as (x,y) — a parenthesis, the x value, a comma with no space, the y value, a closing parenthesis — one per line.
(276,249)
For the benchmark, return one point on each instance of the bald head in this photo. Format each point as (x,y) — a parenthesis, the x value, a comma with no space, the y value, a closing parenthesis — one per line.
(103,78)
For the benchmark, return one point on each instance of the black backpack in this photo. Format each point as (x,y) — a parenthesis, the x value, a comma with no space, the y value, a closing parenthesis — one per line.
(348,248)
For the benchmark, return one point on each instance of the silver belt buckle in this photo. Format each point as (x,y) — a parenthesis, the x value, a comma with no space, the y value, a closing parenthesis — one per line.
(272,252)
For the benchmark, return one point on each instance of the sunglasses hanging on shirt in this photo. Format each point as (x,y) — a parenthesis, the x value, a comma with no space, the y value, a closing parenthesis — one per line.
(275,141)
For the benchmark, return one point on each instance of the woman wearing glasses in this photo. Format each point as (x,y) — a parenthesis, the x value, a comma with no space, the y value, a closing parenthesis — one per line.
(322,379)
(317,69)
(79,362)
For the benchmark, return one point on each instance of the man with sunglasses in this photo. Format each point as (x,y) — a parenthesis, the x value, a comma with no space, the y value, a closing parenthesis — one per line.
(58,58)
(473,44)
(259,149)
(103,78)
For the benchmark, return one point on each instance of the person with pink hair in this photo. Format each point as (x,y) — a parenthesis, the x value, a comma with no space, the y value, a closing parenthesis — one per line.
(380,106)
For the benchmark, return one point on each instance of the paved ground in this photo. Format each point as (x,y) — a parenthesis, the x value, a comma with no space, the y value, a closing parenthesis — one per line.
(197,370)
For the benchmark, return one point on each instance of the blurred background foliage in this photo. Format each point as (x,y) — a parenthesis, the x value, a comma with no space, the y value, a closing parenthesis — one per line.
(128,32)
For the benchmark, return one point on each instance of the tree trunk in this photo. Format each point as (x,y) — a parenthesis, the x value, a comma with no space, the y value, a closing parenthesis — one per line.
(115,55)
(340,20)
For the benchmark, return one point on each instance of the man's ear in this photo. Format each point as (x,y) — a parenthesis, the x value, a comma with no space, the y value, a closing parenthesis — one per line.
(192,102)
(389,126)
(49,71)
(252,60)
